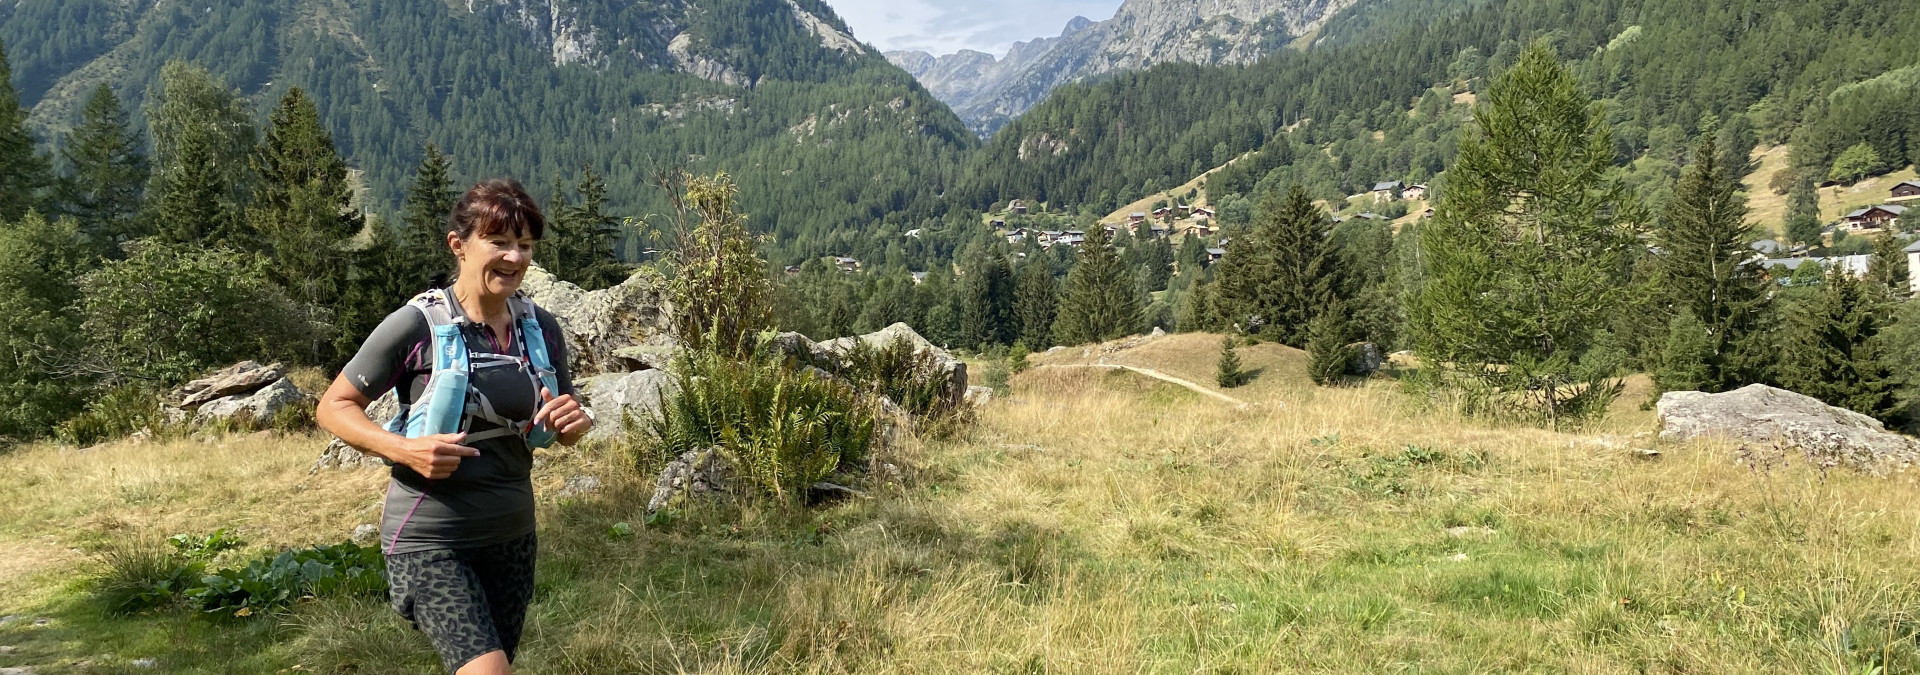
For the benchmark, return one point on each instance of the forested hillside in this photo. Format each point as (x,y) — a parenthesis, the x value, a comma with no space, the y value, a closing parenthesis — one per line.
(821,132)
(1662,68)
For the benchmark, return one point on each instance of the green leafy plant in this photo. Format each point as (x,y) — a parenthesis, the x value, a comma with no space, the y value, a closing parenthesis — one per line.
(204,547)
(275,582)
(782,428)
(117,413)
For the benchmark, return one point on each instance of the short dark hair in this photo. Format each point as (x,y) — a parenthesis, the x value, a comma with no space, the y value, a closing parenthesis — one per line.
(496,206)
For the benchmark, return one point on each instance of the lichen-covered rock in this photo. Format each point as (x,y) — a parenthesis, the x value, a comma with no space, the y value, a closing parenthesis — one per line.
(953,370)
(1760,414)
(620,400)
(600,324)
(240,378)
(1367,359)
(694,474)
(259,405)
(339,455)
(579,486)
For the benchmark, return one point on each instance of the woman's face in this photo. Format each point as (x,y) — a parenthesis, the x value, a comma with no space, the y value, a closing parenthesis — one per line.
(499,260)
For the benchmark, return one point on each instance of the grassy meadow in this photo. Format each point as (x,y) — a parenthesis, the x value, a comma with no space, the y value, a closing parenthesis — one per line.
(1092,522)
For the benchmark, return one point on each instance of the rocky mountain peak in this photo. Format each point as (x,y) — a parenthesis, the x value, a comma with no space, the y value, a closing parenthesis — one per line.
(989,92)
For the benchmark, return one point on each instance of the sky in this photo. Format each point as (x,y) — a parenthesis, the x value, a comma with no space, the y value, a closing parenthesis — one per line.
(944,27)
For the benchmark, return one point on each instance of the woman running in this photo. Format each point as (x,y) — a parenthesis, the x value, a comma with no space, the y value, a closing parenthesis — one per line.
(481,375)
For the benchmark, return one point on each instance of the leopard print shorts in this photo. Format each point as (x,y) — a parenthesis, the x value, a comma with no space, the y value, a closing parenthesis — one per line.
(469,601)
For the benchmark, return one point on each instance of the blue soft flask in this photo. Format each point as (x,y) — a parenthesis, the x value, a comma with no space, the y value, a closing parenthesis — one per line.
(448,403)
(535,343)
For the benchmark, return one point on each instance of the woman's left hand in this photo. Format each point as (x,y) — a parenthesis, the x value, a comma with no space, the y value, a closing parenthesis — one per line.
(562,415)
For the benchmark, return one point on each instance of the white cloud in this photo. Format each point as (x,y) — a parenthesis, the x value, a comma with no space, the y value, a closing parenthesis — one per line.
(939,28)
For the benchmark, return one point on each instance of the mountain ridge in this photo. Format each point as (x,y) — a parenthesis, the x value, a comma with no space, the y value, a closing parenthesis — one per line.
(989,92)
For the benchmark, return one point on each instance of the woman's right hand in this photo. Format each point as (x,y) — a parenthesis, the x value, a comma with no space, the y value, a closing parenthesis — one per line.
(435,457)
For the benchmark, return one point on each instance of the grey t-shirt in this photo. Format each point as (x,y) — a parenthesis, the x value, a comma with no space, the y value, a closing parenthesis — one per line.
(488,499)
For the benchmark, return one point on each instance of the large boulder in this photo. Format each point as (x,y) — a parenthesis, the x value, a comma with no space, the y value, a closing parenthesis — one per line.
(244,377)
(258,406)
(616,399)
(694,474)
(1762,415)
(339,455)
(953,370)
(599,324)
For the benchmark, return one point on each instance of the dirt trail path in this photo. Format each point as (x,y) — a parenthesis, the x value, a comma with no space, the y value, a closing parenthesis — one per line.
(1155,374)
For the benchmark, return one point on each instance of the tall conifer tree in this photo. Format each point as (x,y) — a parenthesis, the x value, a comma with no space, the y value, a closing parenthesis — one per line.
(1035,299)
(1099,302)
(1525,253)
(580,237)
(421,243)
(108,173)
(23,171)
(303,210)
(1279,276)
(1835,351)
(1706,269)
(987,299)
(203,137)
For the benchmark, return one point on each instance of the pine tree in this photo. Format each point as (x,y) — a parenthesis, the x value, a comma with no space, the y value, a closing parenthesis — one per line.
(1834,351)
(1706,269)
(203,137)
(421,243)
(1329,356)
(1099,302)
(1888,269)
(1526,251)
(1803,213)
(1281,275)
(1687,358)
(23,171)
(580,238)
(987,301)
(303,214)
(1228,373)
(1034,300)
(108,173)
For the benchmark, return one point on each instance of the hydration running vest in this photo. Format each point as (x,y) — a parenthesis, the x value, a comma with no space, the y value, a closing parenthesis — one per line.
(448,404)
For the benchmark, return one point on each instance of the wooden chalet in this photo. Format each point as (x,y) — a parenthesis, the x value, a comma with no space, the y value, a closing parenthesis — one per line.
(1873,217)
(1203,212)
(1215,254)
(1136,218)
(1905,190)
(1017,207)
(1414,191)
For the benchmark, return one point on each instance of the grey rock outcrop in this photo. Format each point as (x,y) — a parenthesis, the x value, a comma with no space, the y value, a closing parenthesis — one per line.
(579,486)
(339,455)
(259,406)
(693,474)
(620,400)
(952,370)
(240,378)
(601,324)
(988,92)
(1367,359)
(1759,414)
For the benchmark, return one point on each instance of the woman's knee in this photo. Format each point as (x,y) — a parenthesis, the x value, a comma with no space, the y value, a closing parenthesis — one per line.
(490,663)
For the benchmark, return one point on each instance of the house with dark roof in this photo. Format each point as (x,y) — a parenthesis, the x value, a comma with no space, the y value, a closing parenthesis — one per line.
(1215,254)
(1904,190)
(1135,218)
(1017,207)
(1388,187)
(1873,217)
(1203,212)
(1768,247)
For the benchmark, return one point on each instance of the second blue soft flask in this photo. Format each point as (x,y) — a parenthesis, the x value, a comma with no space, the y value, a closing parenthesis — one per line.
(448,402)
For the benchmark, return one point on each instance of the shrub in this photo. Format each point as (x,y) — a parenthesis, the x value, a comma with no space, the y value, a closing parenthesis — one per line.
(142,575)
(912,379)
(119,412)
(1327,345)
(782,428)
(169,313)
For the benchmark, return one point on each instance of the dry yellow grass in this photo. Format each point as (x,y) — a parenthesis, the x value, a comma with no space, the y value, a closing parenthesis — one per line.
(1102,522)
